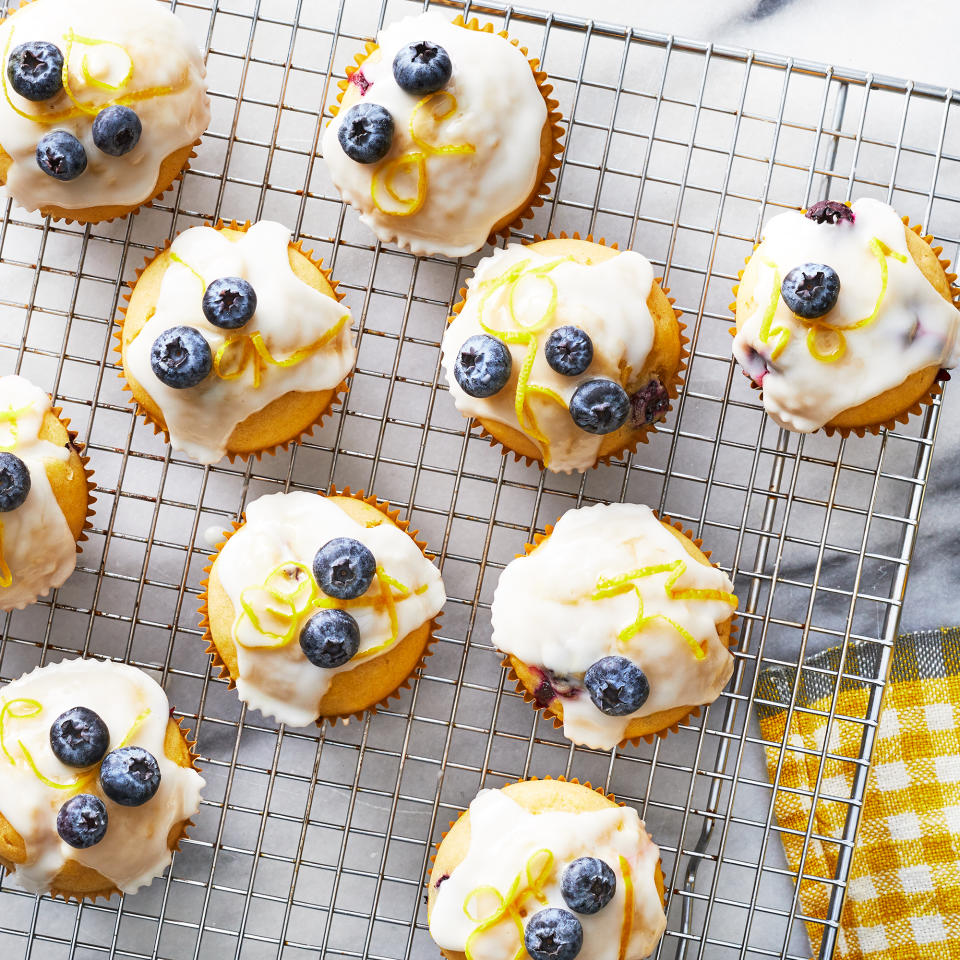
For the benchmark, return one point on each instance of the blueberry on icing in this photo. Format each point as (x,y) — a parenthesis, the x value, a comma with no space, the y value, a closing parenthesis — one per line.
(421,68)
(116,130)
(61,155)
(366,132)
(79,737)
(588,885)
(229,303)
(569,351)
(600,406)
(130,776)
(344,568)
(35,70)
(617,686)
(829,211)
(483,365)
(82,821)
(330,638)
(14,482)
(553,934)
(811,290)
(180,357)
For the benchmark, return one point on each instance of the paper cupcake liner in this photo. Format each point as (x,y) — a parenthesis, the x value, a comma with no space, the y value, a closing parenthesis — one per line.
(391,514)
(554,119)
(691,713)
(639,434)
(338,391)
(916,408)
(559,779)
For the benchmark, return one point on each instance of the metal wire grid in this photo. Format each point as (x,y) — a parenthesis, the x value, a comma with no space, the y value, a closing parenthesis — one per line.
(317,842)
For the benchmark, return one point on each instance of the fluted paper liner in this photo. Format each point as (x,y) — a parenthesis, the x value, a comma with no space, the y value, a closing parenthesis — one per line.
(638,435)
(554,121)
(83,215)
(548,711)
(159,427)
(393,515)
(914,409)
(659,879)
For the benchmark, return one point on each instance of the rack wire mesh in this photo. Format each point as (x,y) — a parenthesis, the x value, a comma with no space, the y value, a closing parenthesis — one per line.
(317,842)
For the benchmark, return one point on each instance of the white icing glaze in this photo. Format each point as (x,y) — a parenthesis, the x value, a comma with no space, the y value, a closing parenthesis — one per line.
(543,613)
(282,528)
(163,56)
(37,543)
(134,849)
(500,112)
(503,838)
(291,315)
(915,327)
(608,300)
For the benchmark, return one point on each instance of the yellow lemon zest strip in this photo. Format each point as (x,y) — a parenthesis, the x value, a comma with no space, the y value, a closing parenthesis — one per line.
(76,784)
(6,575)
(417,158)
(881,251)
(781,333)
(7,709)
(627,927)
(11,415)
(85,68)
(623,583)
(137,724)
(176,258)
(289,599)
(838,351)
(510,905)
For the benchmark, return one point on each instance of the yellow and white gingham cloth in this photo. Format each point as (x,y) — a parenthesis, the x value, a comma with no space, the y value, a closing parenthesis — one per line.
(903,895)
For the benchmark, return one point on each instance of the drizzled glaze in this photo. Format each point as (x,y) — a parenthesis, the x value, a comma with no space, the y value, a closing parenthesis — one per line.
(513,851)
(130,52)
(298,340)
(554,611)
(37,550)
(888,323)
(521,292)
(449,177)
(285,530)
(135,848)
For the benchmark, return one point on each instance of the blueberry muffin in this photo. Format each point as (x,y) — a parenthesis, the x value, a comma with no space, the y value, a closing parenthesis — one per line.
(548,870)
(320,607)
(615,624)
(565,351)
(234,341)
(845,318)
(443,136)
(103,104)
(45,495)
(97,782)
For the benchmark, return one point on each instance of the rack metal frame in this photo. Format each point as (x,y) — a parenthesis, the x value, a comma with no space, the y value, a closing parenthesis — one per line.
(318,842)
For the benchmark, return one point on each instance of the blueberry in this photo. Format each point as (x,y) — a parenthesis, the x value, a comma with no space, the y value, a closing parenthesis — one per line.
(810,290)
(229,302)
(829,211)
(588,885)
(61,155)
(35,70)
(181,357)
(116,130)
(553,934)
(330,638)
(569,351)
(129,776)
(600,406)
(79,737)
(344,568)
(82,821)
(14,482)
(366,132)
(650,403)
(482,367)
(617,686)
(422,67)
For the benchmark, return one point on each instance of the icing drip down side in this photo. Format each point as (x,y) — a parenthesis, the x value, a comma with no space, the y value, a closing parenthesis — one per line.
(134,849)
(611,580)
(889,321)
(37,550)
(513,869)
(299,339)
(131,53)
(521,296)
(265,570)
(461,158)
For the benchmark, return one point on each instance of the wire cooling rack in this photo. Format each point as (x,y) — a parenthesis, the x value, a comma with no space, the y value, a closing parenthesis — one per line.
(316,843)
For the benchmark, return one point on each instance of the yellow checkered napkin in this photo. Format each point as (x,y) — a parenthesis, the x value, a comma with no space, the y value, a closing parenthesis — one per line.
(903,896)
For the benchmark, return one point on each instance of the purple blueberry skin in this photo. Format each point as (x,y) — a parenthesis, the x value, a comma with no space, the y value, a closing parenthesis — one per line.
(130,776)
(830,211)
(79,737)
(35,70)
(553,934)
(82,821)
(116,130)
(61,155)
(649,404)
(810,290)
(14,482)
(422,67)
(366,132)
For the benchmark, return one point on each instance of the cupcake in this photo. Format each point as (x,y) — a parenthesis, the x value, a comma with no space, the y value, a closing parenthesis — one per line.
(443,135)
(45,495)
(565,351)
(845,318)
(234,341)
(103,104)
(616,624)
(546,870)
(320,607)
(97,782)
